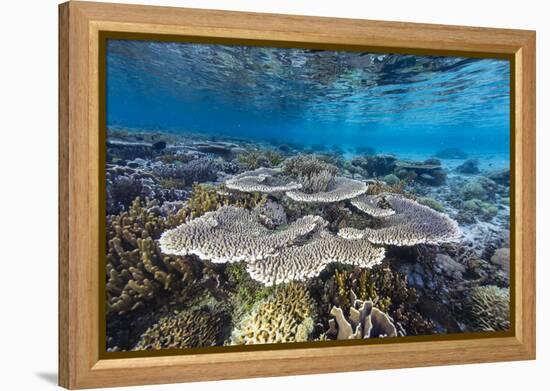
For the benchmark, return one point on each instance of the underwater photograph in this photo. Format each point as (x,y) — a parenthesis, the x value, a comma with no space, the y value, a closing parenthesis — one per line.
(261,195)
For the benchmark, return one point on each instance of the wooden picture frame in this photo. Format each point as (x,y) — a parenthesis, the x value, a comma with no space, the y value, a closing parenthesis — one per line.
(81,364)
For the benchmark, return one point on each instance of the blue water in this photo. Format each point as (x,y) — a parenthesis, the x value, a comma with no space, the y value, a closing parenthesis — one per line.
(393,103)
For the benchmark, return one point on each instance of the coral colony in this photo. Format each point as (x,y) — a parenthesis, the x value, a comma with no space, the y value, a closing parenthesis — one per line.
(224,239)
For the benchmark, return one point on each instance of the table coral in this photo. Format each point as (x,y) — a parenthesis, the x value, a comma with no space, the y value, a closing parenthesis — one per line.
(262,180)
(303,262)
(411,224)
(233,234)
(341,189)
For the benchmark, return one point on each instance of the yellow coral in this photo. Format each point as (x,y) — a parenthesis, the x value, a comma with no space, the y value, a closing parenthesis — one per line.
(286,316)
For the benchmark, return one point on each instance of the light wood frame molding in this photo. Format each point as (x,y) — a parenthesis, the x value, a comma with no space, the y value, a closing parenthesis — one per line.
(80,23)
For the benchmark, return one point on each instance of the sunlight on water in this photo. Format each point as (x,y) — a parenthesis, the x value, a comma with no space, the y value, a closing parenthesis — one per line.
(394,103)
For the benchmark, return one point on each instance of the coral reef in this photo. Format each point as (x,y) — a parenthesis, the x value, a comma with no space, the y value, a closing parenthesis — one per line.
(470,166)
(124,184)
(329,247)
(205,198)
(501,257)
(315,174)
(341,189)
(232,234)
(271,214)
(136,270)
(186,329)
(428,201)
(391,179)
(302,262)
(373,166)
(286,316)
(428,172)
(489,308)
(369,205)
(262,180)
(364,321)
(202,169)
(411,224)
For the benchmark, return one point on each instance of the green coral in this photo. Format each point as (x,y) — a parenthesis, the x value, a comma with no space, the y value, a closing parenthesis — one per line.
(273,157)
(252,159)
(484,210)
(391,179)
(430,202)
(472,190)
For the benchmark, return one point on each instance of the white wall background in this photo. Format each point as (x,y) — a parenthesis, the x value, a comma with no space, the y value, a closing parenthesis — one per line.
(28,191)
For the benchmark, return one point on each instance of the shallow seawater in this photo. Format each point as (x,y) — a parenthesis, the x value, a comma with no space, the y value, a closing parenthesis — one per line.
(262,195)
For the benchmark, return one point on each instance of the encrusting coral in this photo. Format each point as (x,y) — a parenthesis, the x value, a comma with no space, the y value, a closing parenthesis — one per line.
(411,224)
(186,329)
(233,234)
(364,321)
(302,262)
(286,316)
(489,308)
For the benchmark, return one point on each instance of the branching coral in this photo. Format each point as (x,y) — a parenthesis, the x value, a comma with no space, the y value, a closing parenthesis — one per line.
(489,308)
(263,180)
(124,184)
(313,173)
(233,234)
(302,262)
(385,288)
(411,224)
(205,198)
(136,270)
(286,316)
(186,329)
(364,321)
(341,189)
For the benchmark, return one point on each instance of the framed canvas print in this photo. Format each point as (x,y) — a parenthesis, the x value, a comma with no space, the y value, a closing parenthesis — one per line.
(248,195)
